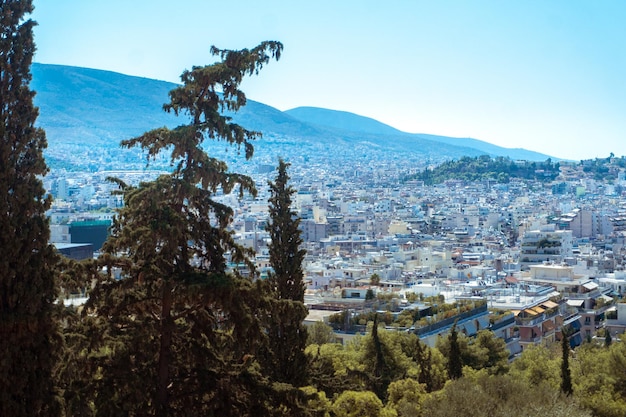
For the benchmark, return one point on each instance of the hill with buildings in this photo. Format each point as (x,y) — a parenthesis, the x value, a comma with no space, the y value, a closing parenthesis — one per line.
(86,110)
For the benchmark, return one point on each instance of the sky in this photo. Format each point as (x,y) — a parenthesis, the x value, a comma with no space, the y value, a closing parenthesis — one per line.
(547,76)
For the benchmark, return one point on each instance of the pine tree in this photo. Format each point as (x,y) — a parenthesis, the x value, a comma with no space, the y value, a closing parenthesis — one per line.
(286,331)
(178,333)
(28,332)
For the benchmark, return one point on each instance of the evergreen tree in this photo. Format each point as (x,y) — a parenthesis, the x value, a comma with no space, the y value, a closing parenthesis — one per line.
(380,372)
(423,357)
(607,338)
(178,333)
(28,332)
(566,375)
(286,361)
(455,362)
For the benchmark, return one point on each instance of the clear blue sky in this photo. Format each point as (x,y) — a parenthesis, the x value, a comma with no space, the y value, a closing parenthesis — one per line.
(548,76)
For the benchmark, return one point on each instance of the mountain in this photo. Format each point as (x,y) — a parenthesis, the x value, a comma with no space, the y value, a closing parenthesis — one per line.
(342,120)
(87,112)
(352,122)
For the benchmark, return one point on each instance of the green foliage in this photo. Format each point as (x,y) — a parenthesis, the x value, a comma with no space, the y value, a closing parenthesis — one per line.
(603,169)
(412,297)
(485,351)
(317,404)
(491,352)
(375,279)
(536,365)
(285,360)
(29,336)
(483,395)
(455,362)
(359,404)
(320,333)
(598,376)
(566,376)
(483,168)
(334,368)
(179,334)
(406,397)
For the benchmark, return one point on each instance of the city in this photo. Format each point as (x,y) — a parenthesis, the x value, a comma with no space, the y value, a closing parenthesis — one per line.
(548,254)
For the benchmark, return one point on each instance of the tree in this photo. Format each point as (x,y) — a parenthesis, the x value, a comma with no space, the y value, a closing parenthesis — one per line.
(406,397)
(536,366)
(491,350)
(598,375)
(29,340)
(179,332)
(334,368)
(455,362)
(432,373)
(384,358)
(566,375)
(375,279)
(380,368)
(499,396)
(359,404)
(320,333)
(285,361)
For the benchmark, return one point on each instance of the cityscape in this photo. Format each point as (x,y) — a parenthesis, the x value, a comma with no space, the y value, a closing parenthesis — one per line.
(550,254)
(417,212)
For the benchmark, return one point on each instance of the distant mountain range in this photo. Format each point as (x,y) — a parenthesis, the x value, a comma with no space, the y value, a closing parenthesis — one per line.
(90,108)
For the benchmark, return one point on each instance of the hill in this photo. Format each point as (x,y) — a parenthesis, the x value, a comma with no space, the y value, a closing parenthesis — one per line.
(86,112)
(352,122)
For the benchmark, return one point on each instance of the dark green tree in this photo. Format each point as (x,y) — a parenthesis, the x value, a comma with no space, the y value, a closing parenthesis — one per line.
(566,375)
(178,332)
(381,378)
(455,361)
(383,358)
(375,279)
(286,361)
(423,356)
(607,338)
(28,332)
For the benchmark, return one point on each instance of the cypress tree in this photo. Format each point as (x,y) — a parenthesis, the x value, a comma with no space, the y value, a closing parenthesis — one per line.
(28,333)
(423,356)
(566,375)
(286,331)
(380,372)
(455,362)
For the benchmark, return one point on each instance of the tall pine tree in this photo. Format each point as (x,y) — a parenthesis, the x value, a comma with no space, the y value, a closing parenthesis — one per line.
(177,333)
(28,334)
(287,335)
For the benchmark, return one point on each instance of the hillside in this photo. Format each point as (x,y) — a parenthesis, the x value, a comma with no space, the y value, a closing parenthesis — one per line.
(355,123)
(85,110)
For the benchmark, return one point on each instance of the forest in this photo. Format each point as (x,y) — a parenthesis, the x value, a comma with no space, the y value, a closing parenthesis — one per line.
(177,322)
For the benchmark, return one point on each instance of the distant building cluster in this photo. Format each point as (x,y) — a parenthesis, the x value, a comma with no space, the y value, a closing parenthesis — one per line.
(535,258)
